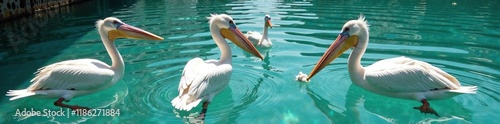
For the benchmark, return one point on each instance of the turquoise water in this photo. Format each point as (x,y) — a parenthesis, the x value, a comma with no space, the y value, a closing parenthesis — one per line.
(461,39)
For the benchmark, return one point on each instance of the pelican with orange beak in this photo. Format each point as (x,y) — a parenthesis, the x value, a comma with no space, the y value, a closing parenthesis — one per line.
(398,77)
(72,78)
(261,40)
(202,80)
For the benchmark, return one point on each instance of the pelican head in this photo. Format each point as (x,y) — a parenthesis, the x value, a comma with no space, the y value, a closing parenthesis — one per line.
(228,30)
(348,38)
(114,28)
(267,20)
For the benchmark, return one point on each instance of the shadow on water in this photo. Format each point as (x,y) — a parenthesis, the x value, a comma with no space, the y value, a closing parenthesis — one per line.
(30,41)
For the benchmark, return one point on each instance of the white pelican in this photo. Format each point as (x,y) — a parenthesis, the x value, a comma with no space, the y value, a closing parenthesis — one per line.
(72,78)
(261,40)
(202,80)
(399,77)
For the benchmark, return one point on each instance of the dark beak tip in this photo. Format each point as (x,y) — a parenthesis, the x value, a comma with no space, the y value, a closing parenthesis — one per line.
(261,58)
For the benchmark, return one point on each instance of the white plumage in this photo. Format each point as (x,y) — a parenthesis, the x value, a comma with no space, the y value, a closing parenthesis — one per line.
(68,78)
(398,77)
(261,40)
(301,77)
(72,78)
(202,80)
(406,75)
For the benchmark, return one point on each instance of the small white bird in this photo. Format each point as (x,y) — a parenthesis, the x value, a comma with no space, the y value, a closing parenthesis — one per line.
(301,77)
(261,40)
(399,77)
(72,78)
(202,80)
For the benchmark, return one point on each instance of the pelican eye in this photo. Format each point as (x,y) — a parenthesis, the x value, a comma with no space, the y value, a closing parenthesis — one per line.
(117,24)
(231,24)
(345,32)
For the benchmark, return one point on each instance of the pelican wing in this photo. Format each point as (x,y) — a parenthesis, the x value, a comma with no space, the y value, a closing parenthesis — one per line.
(201,79)
(80,74)
(254,37)
(407,75)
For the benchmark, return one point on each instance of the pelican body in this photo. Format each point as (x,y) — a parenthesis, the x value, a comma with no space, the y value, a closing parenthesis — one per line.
(261,40)
(202,80)
(72,78)
(399,77)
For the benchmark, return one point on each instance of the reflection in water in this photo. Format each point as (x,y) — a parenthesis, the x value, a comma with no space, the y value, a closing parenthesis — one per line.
(359,106)
(332,112)
(16,34)
(246,101)
(267,63)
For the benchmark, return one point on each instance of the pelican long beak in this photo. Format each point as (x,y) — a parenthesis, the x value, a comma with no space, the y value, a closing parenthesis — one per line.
(126,31)
(339,46)
(235,35)
(268,23)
